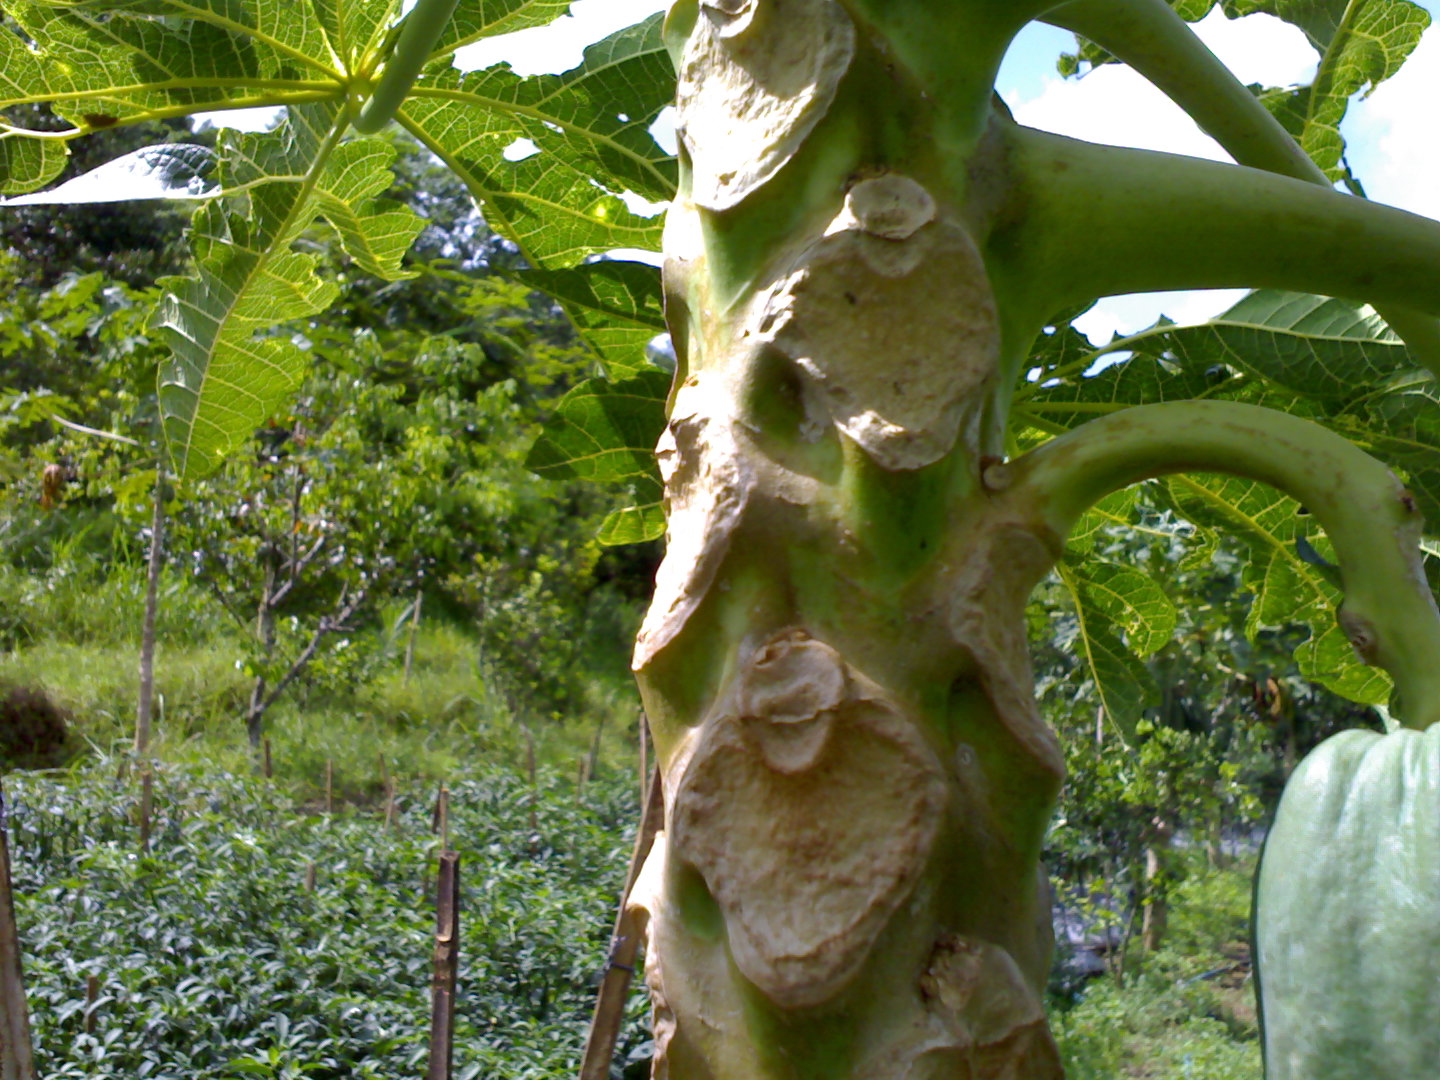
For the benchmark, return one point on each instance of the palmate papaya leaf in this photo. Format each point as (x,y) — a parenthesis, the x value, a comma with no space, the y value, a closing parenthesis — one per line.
(477,19)
(29,164)
(1113,510)
(562,203)
(1122,682)
(1361,44)
(111,61)
(618,307)
(1129,599)
(1404,430)
(166,171)
(1330,350)
(229,367)
(1332,361)
(606,432)
(98,63)
(1286,588)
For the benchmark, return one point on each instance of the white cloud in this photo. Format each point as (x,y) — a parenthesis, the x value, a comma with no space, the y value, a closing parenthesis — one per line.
(560,45)
(262,118)
(1392,134)
(1114,105)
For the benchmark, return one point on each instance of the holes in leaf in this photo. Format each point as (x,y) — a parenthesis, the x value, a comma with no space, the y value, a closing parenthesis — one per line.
(519,150)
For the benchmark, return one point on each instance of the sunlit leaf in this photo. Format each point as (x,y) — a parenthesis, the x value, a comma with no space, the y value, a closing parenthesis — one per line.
(1127,598)
(562,203)
(167,171)
(618,307)
(229,367)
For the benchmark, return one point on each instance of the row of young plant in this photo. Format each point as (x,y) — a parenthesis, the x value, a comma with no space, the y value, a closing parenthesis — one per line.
(261,937)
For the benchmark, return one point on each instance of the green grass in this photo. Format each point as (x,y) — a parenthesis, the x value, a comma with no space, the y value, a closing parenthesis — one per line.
(75,635)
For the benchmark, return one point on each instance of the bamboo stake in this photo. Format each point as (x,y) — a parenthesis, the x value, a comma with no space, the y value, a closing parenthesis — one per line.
(643,727)
(17,1059)
(144,706)
(92,994)
(592,764)
(446,965)
(624,946)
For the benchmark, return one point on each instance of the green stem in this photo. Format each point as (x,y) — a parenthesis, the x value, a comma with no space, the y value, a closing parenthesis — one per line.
(419,33)
(1153,39)
(1389,612)
(1101,220)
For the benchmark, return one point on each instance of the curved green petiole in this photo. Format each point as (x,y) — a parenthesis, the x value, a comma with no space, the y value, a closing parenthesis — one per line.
(1154,40)
(1100,220)
(418,35)
(1388,613)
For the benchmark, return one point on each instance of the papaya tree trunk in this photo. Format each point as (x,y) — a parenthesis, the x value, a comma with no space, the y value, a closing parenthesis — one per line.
(834,664)
(857,780)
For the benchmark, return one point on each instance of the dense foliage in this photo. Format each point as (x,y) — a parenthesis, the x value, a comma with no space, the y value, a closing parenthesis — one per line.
(214,960)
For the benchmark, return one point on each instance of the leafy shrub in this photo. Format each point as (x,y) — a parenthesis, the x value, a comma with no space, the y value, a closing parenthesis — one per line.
(34,731)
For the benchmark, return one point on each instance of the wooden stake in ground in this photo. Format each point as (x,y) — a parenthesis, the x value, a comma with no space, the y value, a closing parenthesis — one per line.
(329,786)
(92,994)
(268,767)
(17,1060)
(147,803)
(447,966)
(624,947)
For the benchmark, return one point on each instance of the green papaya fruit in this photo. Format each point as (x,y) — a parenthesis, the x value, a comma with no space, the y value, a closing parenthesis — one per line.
(1347,913)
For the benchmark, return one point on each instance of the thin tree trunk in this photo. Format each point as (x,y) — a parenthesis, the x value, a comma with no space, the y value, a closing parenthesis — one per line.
(1157,905)
(265,632)
(414,628)
(146,700)
(16,1055)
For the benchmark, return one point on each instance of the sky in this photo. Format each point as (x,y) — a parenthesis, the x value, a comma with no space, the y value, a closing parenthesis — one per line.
(1391,134)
